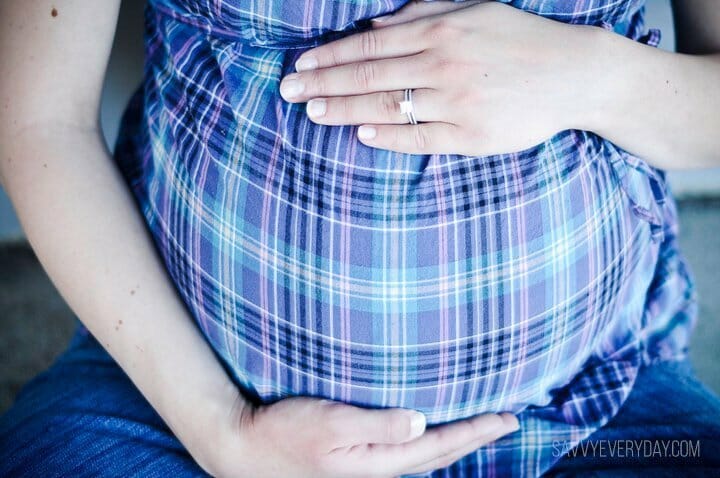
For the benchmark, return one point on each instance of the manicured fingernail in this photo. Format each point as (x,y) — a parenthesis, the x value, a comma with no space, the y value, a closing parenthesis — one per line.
(381,19)
(290,88)
(316,107)
(417,424)
(366,132)
(306,63)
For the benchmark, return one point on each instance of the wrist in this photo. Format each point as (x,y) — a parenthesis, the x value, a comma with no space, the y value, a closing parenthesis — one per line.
(212,433)
(195,396)
(618,85)
(600,77)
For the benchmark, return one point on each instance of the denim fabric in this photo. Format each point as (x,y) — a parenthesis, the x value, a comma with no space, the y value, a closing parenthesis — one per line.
(83,417)
(535,282)
(668,408)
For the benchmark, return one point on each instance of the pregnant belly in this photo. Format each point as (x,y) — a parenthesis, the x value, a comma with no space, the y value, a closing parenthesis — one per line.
(318,266)
(453,285)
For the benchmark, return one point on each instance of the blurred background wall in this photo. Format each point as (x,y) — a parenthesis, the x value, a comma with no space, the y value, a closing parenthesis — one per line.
(125,70)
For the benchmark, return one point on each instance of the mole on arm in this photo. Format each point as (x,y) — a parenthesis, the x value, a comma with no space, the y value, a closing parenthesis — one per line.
(54,12)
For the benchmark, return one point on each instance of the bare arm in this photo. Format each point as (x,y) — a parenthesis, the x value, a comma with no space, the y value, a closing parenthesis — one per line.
(79,216)
(83,224)
(662,106)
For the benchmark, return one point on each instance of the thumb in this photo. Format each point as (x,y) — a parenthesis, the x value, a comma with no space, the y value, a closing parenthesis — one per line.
(389,426)
(419,9)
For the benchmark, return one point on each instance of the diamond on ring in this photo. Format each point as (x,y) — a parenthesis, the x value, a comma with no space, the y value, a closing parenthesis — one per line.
(407,108)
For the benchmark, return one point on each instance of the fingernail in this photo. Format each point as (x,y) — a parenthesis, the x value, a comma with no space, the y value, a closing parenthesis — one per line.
(291,88)
(316,107)
(382,18)
(306,63)
(366,132)
(417,424)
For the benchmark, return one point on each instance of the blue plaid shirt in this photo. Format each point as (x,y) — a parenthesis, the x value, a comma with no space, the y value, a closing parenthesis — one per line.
(535,282)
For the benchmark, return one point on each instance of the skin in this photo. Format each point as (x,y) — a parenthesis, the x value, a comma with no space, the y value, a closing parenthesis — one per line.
(51,148)
(491,79)
(82,223)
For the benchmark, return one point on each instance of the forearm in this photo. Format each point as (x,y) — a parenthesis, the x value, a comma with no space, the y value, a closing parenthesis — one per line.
(84,227)
(661,106)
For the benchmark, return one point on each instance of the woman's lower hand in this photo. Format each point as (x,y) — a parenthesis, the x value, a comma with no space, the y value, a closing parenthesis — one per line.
(314,438)
(487,79)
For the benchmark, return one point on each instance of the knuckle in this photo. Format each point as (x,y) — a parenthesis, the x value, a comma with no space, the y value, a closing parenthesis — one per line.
(334,53)
(421,139)
(369,43)
(389,431)
(315,79)
(388,105)
(444,70)
(342,108)
(441,29)
(364,75)
(449,69)
(438,66)
(443,64)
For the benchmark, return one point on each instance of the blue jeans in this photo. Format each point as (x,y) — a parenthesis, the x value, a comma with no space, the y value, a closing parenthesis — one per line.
(83,417)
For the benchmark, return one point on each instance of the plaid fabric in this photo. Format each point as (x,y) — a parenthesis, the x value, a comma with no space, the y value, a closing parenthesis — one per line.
(536,282)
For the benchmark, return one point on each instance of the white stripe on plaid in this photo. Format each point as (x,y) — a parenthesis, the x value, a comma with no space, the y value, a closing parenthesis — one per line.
(536,282)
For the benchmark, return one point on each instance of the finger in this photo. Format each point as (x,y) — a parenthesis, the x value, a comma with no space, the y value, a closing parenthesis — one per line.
(424,138)
(435,442)
(376,108)
(419,9)
(446,460)
(388,38)
(367,45)
(357,78)
(358,426)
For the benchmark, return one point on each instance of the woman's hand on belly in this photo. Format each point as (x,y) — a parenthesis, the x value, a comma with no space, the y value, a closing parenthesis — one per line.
(487,78)
(309,437)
